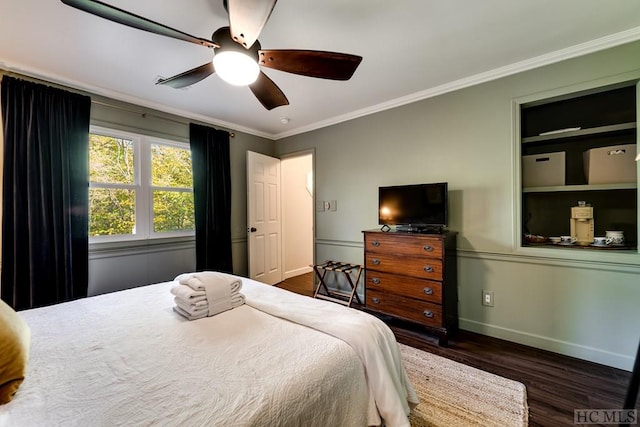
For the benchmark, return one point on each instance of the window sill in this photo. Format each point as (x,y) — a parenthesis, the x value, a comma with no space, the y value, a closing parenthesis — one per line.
(157,244)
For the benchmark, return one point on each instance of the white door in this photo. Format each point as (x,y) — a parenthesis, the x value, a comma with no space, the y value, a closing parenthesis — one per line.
(264,218)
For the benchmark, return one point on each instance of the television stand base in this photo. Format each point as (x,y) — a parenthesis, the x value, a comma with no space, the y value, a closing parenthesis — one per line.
(428,229)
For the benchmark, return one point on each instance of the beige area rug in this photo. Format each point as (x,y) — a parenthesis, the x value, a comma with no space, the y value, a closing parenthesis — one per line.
(453,394)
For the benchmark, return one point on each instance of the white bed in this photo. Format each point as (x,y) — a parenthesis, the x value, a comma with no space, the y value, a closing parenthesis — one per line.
(127,359)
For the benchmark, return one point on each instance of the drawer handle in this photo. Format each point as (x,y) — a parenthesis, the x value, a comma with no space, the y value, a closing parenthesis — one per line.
(375,300)
(428,313)
(375,243)
(428,269)
(375,261)
(375,281)
(428,248)
(428,291)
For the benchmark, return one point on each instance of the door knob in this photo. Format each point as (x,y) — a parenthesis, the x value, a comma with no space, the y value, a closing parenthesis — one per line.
(252,229)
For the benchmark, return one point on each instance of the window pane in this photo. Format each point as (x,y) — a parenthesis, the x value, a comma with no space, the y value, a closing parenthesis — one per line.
(111,211)
(172,211)
(110,160)
(170,166)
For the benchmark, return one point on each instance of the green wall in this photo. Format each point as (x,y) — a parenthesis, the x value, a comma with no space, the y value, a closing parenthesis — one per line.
(584,305)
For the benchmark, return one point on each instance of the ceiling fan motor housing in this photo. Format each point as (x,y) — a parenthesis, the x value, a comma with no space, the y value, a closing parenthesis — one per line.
(222,37)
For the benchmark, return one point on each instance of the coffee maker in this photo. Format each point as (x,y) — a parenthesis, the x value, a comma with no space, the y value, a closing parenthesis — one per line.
(582,224)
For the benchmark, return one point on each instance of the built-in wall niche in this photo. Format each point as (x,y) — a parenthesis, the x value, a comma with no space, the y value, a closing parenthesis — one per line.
(559,131)
(587,111)
(550,213)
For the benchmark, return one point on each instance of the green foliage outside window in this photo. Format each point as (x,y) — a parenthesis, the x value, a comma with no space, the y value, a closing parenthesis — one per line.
(172,211)
(170,166)
(112,198)
(112,211)
(111,160)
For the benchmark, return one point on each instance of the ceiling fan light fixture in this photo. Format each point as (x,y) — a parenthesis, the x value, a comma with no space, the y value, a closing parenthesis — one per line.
(236,68)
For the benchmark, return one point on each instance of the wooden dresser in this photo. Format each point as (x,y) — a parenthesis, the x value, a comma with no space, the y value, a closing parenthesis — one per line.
(413,277)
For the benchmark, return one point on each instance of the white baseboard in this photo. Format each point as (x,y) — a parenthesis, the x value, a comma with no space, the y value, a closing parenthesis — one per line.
(591,354)
(297,272)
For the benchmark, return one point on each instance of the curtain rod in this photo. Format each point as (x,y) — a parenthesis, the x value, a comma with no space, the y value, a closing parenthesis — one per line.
(145,114)
(4,72)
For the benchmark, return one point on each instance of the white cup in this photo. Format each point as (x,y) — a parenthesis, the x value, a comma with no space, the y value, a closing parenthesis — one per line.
(567,239)
(615,238)
(600,241)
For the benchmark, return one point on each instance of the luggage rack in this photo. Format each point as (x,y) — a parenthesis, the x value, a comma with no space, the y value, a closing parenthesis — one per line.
(337,296)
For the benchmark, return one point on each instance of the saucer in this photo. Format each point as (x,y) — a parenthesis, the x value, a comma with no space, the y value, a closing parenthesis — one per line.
(603,245)
(566,244)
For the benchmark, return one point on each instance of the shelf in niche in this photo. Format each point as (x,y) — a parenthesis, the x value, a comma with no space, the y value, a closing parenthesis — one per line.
(582,132)
(595,187)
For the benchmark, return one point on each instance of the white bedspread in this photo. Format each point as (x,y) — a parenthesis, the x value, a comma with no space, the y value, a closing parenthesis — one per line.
(391,393)
(127,359)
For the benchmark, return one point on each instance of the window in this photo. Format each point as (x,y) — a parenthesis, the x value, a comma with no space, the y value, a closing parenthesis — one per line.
(139,187)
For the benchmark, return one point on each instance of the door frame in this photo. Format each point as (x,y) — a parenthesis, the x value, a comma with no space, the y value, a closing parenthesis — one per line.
(301,153)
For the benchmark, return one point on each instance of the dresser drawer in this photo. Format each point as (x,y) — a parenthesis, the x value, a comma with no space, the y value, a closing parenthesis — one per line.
(422,312)
(423,268)
(426,290)
(399,244)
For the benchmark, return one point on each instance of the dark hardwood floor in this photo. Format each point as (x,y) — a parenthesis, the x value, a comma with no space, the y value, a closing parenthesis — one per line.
(556,384)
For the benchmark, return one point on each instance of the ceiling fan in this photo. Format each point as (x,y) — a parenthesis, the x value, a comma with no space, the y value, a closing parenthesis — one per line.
(237,42)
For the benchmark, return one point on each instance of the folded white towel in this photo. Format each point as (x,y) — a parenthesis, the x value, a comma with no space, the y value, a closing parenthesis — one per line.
(187,293)
(201,304)
(237,299)
(222,290)
(189,316)
(204,278)
(192,309)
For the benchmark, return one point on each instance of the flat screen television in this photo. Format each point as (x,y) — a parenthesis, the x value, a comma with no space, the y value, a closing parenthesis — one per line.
(418,207)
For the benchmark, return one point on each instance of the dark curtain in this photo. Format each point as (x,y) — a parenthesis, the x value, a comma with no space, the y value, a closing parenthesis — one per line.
(45,194)
(212,197)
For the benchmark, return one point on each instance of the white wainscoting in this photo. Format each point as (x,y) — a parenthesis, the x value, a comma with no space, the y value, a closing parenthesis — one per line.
(583,309)
(113,267)
(116,267)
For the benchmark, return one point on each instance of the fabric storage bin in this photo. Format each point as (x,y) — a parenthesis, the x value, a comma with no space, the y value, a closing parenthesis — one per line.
(610,165)
(543,170)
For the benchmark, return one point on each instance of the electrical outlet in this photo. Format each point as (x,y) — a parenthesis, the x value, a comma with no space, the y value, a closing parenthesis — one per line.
(320,206)
(487,298)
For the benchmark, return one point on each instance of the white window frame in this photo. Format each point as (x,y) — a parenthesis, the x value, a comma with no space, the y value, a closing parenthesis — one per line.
(141,185)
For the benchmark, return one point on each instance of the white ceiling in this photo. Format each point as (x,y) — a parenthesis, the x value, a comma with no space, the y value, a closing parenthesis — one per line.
(412,49)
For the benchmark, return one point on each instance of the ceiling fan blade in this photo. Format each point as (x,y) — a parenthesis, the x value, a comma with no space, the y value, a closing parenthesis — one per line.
(311,63)
(188,77)
(267,92)
(247,18)
(123,17)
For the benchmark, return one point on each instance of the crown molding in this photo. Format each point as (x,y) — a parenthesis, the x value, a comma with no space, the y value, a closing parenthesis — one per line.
(575,51)
(582,49)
